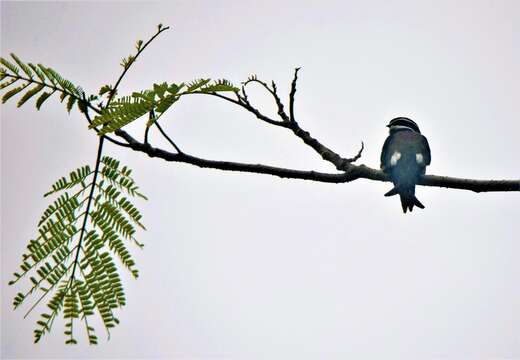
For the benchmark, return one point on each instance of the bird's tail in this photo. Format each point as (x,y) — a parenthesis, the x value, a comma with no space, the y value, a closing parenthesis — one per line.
(408,199)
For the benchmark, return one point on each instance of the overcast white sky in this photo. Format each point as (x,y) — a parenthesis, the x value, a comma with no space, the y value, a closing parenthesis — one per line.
(250,266)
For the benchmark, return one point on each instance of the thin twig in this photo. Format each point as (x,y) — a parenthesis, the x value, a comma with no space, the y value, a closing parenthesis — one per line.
(358,155)
(151,118)
(168,138)
(141,49)
(245,104)
(293,92)
(113,91)
(272,91)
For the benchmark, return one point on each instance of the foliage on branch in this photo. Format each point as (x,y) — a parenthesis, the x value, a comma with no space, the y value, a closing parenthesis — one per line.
(79,234)
(124,110)
(40,78)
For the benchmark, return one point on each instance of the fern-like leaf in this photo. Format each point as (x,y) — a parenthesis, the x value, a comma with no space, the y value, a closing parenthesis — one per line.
(71,262)
(122,112)
(41,77)
(76,177)
(159,99)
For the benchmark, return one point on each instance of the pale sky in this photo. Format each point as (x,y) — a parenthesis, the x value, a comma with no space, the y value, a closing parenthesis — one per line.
(252,266)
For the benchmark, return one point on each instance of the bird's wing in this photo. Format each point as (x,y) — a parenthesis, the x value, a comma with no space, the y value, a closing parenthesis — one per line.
(426,151)
(384,153)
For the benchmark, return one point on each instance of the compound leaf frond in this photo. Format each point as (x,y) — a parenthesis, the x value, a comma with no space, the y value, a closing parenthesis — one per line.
(70,262)
(41,77)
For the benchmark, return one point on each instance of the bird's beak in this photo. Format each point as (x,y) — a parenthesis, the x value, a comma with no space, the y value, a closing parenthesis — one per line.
(388,125)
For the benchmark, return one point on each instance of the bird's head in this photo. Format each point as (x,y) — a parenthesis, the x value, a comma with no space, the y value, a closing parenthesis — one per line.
(402,123)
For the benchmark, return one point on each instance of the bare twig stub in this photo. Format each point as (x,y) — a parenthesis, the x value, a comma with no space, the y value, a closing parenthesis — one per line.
(293,93)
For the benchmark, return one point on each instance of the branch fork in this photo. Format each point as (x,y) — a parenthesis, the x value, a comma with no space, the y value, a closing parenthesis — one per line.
(347,170)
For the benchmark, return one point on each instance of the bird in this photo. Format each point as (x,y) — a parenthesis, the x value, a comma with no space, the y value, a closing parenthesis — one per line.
(404,157)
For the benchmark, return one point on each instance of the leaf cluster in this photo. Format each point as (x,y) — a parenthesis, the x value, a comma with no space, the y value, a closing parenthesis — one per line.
(124,110)
(79,270)
(32,80)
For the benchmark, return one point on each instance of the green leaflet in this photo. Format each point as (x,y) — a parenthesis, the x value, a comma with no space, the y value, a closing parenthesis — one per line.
(104,90)
(24,67)
(174,89)
(160,89)
(196,84)
(70,103)
(71,311)
(9,66)
(81,279)
(126,62)
(29,94)
(37,71)
(222,85)
(13,92)
(42,98)
(7,83)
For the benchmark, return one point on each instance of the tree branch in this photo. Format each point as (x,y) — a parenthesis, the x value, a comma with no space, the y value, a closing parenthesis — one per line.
(168,138)
(326,153)
(244,103)
(228,165)
(358,155)
(87,116)
(354,172)
(469,184)
(254,79)
(348,171)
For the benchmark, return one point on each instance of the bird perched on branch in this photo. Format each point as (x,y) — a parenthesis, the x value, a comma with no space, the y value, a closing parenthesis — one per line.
(404,158)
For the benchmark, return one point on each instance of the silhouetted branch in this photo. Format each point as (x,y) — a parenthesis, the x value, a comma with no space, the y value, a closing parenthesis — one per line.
(354,172)
(470,184)
(348,170)
(358,155)
(292,93)
(167,137)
